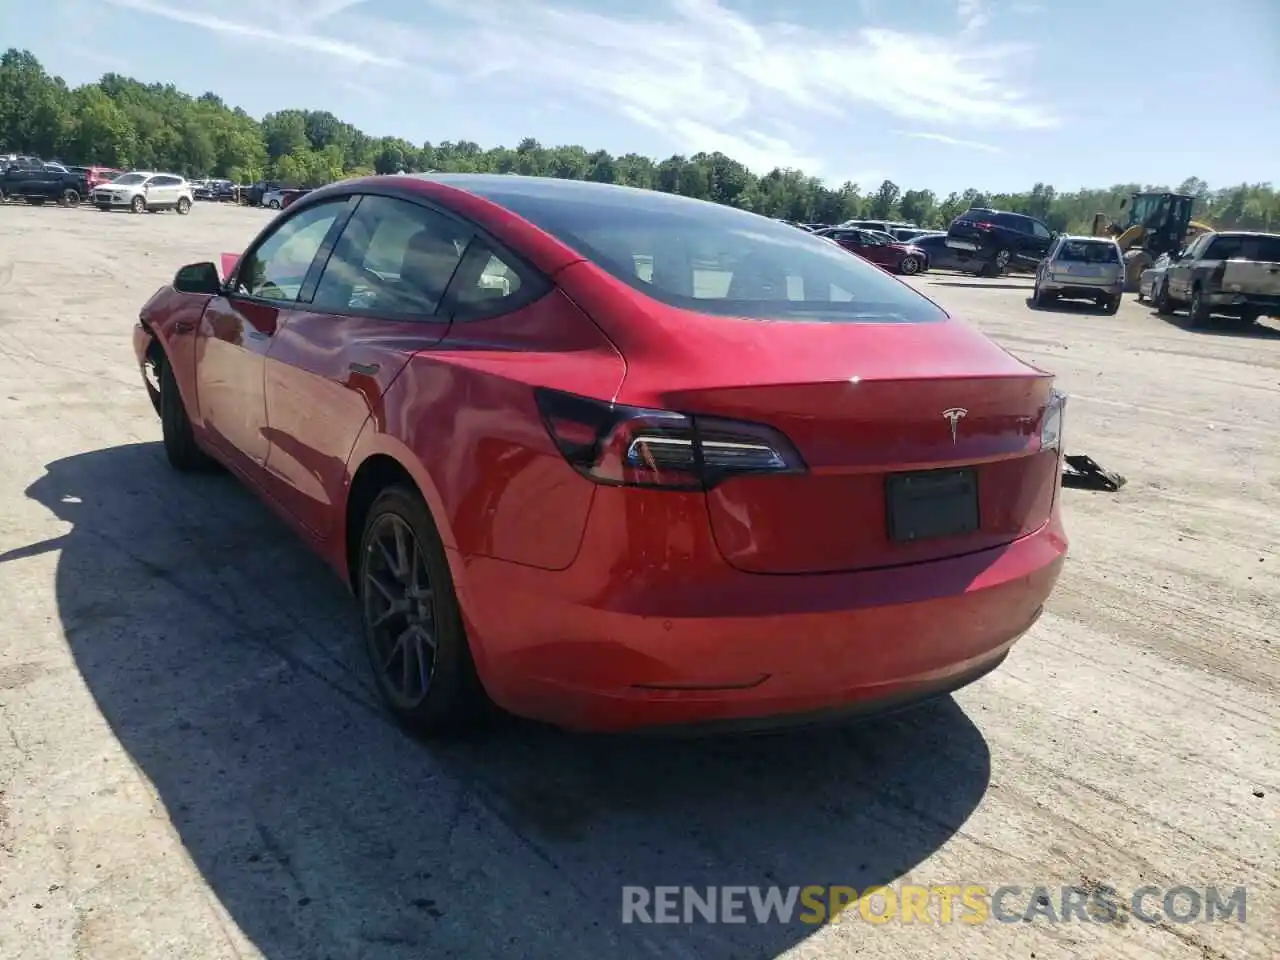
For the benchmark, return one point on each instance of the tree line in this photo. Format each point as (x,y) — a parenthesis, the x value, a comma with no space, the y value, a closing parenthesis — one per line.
(121,122)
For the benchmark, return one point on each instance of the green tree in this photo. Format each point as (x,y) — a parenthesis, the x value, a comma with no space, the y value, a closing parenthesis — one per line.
(121,122)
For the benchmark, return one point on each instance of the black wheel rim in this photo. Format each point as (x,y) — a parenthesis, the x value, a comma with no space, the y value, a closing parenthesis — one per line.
(399,611)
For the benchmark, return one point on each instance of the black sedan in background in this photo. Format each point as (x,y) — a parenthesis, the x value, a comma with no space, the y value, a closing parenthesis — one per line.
(942,257)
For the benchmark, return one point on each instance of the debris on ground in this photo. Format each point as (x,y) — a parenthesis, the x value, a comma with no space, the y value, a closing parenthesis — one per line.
(1086,474)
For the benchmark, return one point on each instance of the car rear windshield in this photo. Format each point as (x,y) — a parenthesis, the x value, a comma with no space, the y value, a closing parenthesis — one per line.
(718,260)
(129,178)
(1085,251)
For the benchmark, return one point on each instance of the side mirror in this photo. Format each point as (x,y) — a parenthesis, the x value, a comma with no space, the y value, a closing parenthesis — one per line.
(200,278)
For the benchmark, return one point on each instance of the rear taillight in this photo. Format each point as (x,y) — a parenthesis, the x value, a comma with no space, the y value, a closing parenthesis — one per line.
(983,225)
(1051,422)
(641,447)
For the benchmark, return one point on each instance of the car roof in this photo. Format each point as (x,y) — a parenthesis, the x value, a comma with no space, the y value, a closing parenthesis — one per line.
(1088,239)
(1243,233)
(497,186)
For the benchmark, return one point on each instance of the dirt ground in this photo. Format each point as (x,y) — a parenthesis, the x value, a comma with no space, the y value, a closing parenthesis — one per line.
(192,764)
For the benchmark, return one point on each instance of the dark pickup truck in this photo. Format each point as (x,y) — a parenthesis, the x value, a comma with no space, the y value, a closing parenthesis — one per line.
(38,185)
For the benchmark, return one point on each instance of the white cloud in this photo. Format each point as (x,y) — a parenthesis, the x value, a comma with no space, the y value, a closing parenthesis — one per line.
(702,76)
(286,36)
(973,15)
(949,141)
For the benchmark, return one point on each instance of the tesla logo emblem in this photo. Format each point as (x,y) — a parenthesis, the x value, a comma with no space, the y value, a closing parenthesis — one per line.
(953,417)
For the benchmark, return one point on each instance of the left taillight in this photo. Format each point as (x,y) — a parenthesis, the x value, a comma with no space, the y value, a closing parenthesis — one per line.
(1051,422)
(623,445)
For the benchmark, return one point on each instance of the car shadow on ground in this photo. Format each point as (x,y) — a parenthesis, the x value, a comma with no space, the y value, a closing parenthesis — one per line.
(1066,306)
(1265,329)
(223,656)
(981,284)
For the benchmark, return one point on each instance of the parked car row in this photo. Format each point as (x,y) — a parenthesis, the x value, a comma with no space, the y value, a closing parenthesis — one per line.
(37,182)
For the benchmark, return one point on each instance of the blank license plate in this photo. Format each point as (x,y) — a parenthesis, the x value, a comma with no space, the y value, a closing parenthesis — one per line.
(932,504)
(961,244)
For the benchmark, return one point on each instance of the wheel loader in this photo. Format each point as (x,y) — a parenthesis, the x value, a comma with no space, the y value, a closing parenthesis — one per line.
(1150,224)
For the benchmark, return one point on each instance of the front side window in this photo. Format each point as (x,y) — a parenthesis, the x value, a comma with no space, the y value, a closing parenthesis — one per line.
(718,260)
(394,258)
(277,268)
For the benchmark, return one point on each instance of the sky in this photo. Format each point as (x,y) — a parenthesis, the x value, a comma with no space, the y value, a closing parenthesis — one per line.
(943,94)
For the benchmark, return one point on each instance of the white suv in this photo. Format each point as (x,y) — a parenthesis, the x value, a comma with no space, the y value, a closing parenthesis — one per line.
(142,191)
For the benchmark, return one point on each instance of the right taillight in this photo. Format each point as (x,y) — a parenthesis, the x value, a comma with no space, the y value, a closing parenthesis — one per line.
(643,447)
(1051,422)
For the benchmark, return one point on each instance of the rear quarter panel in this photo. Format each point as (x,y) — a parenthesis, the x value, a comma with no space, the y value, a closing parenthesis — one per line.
(463,414)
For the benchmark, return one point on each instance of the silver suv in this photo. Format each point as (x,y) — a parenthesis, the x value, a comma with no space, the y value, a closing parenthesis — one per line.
(142,191)
(1081,268)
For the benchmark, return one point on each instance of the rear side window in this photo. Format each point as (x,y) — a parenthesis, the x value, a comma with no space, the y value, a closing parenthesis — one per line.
(1083,251)
(715,259)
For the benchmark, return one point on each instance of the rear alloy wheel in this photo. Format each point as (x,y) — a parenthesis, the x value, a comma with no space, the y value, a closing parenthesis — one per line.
(184,206)
(1003,259)
(139,204)
(910,266)
(274,205)
(414,635)
(70,198)
(175,426)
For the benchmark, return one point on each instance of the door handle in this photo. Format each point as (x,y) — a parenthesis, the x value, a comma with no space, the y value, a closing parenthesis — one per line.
(367,369)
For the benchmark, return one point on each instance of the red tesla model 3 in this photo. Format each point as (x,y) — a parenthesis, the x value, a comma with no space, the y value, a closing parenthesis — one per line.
(617,459)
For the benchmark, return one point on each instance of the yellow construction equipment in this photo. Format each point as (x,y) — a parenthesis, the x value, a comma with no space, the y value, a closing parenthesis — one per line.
(1151,224)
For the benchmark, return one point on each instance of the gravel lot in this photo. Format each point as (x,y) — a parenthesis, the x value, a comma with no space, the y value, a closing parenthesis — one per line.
(192,765)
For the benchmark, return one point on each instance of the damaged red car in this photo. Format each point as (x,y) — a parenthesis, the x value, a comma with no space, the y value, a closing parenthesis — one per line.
(618,459)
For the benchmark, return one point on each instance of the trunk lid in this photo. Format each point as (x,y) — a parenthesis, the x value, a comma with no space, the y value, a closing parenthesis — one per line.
(867,404)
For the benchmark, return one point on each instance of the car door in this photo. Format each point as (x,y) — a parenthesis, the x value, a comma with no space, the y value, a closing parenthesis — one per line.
(375,303)
(237,328)
(874,249)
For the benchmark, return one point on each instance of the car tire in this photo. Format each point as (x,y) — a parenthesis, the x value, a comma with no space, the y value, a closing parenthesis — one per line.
(1198,312)
(1160,297)
(1003,257)
(104,207)
(175,426)
(416,580)
(1111,306)
(138,204)
(909,266)
(70,198)
(274,205)
(184,206)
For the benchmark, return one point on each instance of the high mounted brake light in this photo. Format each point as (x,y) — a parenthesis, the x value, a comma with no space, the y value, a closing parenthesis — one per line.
(642,447)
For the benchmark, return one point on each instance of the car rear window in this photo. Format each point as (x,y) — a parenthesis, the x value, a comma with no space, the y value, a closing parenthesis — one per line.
(715,259)
(1085,251)
(1263,249)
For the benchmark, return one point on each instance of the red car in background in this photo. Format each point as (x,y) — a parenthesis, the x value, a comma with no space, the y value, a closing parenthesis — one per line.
(614,458)
(97,176)
(882,251)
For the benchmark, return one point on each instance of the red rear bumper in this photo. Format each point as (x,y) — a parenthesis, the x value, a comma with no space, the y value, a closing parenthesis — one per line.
(649,627)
